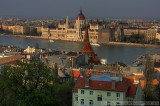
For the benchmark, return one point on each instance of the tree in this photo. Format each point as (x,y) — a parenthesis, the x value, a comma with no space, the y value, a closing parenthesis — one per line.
(55,72)
(31,84)
(24,79)
(149,72)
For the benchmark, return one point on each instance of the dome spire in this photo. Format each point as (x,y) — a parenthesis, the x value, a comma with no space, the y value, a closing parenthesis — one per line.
(81,15)
(81,10)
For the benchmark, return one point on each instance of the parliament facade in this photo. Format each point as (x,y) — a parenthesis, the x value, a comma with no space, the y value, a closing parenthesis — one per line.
(74,31)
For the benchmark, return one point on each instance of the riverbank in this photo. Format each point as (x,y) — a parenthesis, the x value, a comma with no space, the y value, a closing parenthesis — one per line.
(133,44)
(109,43)
(25,36)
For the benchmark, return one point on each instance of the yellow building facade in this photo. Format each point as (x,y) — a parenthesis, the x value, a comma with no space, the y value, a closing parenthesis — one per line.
(76,33)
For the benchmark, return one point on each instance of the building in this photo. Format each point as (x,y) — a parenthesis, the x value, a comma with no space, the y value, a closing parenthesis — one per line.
(8,27)
(150,35)
(66,30)
(87,49)
(104,36)
(19,29)
(9,60)
(106,90)
(30,50)
(158,36)
(146,34)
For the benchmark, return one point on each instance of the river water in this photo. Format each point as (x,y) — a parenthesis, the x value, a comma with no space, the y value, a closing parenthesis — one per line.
(125,54)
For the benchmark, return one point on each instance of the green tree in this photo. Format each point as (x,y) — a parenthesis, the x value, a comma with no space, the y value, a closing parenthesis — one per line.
(23,79)
(55,72)
(31,84)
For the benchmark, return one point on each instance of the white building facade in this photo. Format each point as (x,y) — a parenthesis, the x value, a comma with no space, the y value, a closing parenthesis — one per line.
(112,91)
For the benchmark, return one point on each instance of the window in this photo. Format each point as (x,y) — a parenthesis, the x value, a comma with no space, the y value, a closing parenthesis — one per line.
(82,91)
(99,98)
(117,104)
(108,93)
(118,94)
(91,92)
(130,102)
(76,98)
(108,103)
(90,102)
(82,101)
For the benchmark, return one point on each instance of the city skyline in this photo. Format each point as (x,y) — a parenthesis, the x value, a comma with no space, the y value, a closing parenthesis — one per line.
(138,9)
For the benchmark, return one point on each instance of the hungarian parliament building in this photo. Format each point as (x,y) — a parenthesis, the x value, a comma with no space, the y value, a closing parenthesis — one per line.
(74,31)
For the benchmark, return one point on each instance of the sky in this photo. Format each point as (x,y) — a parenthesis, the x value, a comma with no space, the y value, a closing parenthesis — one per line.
(91,8)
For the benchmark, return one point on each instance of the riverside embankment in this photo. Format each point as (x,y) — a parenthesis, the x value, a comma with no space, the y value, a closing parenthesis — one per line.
(109,43)
(133,44)
(120,53)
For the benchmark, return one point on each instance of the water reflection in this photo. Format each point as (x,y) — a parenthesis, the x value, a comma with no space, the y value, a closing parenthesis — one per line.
(112,53)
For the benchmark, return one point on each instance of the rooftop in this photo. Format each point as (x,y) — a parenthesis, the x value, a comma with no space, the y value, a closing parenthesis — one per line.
(106,77)
(108,83)
(10,59)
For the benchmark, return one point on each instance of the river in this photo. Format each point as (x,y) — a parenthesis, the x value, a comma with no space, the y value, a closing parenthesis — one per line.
(113,53)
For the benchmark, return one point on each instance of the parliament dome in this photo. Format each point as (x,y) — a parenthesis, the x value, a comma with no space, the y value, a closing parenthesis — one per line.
(81,16)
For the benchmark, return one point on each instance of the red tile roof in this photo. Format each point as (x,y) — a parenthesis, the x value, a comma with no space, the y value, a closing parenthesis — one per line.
(76,74)
(79,84)
(130,79)
(7,60)
(96,59)
(100,85)
(127,85)
(87,48)
(97,72)
(132,90)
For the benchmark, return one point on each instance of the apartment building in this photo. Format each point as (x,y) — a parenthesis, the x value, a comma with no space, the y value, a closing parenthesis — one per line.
(106,90)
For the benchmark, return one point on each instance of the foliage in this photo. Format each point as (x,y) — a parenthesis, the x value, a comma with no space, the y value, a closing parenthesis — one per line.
(136,38)
(6,31)
(121,64)
(55,72)
(149,72)
(31,84)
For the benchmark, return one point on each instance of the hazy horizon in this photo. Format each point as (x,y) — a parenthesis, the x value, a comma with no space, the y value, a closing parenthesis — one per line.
(138,9)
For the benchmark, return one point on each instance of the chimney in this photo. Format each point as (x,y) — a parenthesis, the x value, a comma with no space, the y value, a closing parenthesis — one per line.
(86,82)
(86,79)
(113,84)
(120,77)
(81,74)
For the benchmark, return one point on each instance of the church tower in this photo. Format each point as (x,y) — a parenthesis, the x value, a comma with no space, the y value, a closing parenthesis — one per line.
(87,49)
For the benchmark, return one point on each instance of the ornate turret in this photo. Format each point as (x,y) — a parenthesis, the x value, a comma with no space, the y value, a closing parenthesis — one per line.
(67,23)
